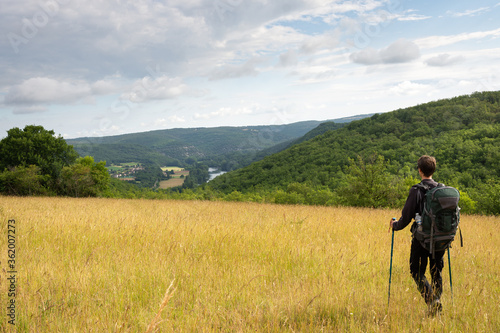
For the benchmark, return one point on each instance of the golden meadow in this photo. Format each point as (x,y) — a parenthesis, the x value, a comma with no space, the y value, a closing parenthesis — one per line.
(105,265)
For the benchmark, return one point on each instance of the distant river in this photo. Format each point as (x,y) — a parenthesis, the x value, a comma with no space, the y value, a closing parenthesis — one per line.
(214,172)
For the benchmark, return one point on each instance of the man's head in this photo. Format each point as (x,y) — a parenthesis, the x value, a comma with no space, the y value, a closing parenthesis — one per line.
(427,165)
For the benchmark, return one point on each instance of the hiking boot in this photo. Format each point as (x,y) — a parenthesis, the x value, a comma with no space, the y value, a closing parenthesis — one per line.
(435,307)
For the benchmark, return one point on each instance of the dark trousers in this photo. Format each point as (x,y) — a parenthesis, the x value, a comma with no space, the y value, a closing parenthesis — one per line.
(418,265)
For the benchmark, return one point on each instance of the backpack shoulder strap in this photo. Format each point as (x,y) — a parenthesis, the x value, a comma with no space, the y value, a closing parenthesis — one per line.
(422,189)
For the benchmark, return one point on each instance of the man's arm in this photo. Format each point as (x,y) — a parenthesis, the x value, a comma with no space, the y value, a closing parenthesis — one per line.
(409,210)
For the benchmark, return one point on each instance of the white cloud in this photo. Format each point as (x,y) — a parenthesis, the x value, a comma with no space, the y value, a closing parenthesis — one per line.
(367,56)
(342,7)
(470,12)
(409,88)
(444,59)
(316,74)
(43,90)
(106,86)
(325,41)
(437,41)
(98,38)
(319,69)
(400,51)
(288,58)
(235,71)
(162,122)
(176,119)
(147,89)
(413,17)
(37,91)
(224,112)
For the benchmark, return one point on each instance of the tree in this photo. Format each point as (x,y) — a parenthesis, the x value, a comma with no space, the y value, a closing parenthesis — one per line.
(370,184)
(149,177)
(85,178)
(36,146)
(488,195)
(22,181)
(198,174)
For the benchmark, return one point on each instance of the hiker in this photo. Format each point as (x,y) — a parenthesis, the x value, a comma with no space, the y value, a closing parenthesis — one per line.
(418,254)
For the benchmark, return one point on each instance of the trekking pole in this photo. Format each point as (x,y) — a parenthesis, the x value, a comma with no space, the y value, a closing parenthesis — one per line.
(390,270)
(449,267)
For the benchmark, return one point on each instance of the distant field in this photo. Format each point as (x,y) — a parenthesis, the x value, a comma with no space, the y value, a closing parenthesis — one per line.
(171,168)
(115,168)
(176,179)
(104,265)
(172,182)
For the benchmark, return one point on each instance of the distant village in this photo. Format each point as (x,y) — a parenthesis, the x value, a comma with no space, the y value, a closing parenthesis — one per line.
(124,171)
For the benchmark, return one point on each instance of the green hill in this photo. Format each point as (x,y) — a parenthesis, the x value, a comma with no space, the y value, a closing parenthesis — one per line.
(238,160)
(463,133)
(217,145)
(115,153)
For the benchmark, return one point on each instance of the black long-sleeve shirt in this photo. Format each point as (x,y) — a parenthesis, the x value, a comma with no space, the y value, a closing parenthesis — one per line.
(412,206)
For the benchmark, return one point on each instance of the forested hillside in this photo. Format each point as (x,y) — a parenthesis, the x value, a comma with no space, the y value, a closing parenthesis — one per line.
(224,147)
(180,143)
(237,159)
(463,133)
(115,153)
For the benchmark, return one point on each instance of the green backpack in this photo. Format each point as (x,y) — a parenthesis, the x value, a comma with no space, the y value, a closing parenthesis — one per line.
(440,217)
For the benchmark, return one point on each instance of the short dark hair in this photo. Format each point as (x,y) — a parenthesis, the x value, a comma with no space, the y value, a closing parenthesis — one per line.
(427,164)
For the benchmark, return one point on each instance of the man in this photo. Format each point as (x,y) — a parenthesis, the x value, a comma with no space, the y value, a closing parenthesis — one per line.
(418,255)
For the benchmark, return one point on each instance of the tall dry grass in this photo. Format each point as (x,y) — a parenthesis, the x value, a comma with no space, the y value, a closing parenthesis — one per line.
(103,265)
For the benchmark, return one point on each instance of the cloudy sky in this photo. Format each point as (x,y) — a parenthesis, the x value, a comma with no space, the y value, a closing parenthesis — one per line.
(105,67)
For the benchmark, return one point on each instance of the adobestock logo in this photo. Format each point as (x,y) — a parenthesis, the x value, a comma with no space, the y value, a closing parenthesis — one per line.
(30,27)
